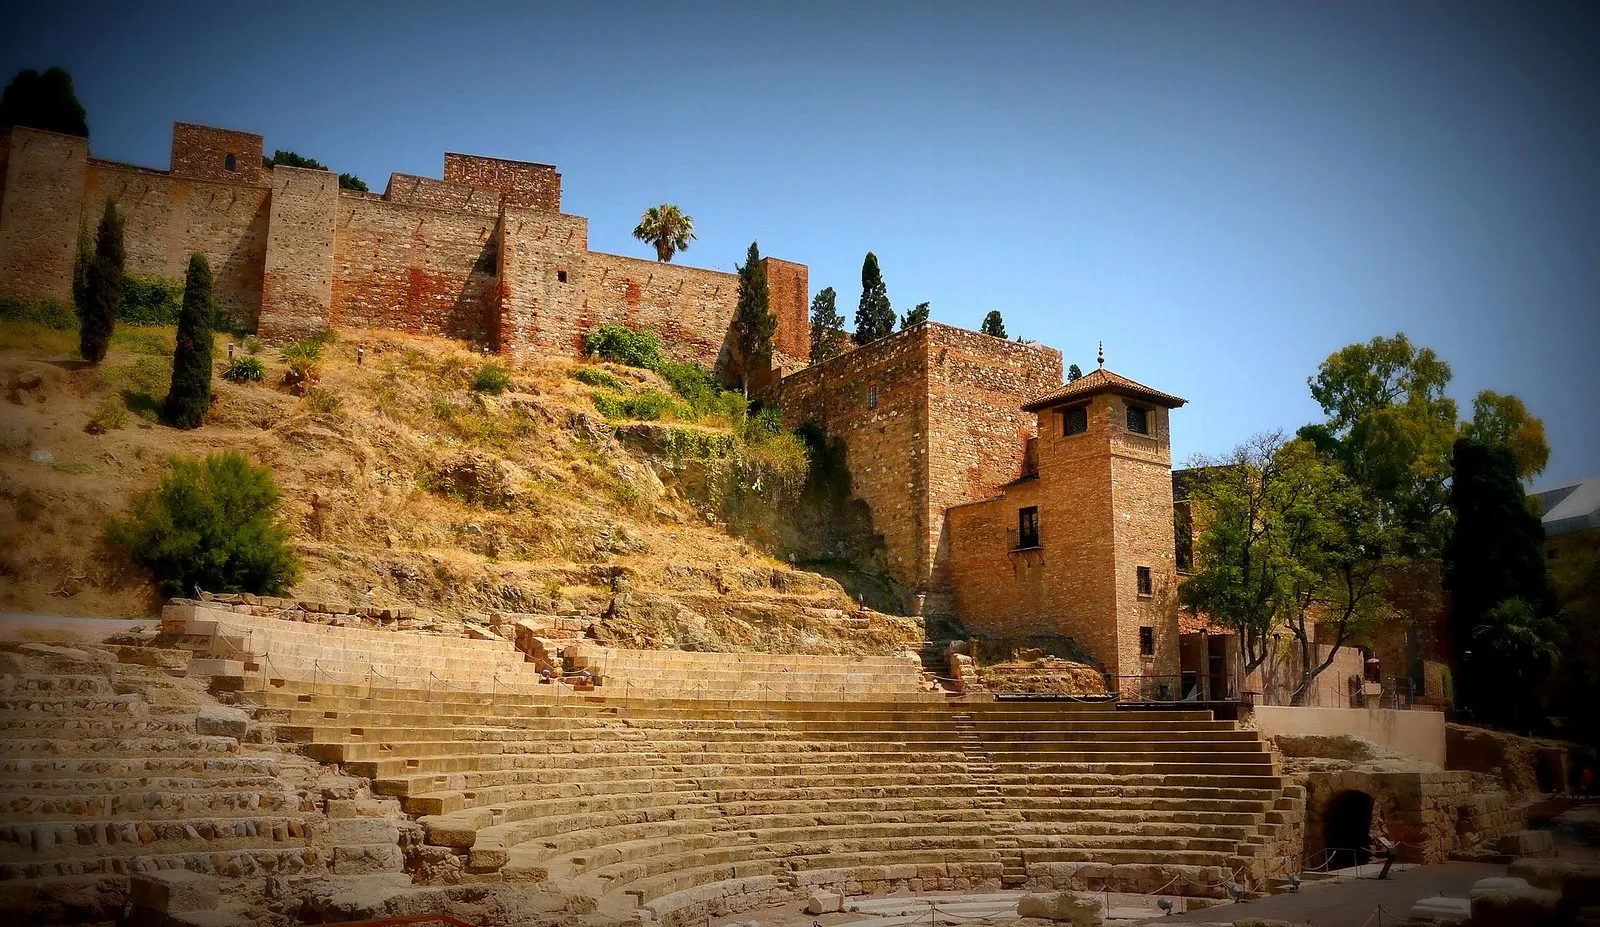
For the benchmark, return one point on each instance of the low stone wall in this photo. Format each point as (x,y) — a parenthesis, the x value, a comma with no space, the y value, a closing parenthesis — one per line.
(1418,734)
(1138,878)
(1430,814)
(311,612)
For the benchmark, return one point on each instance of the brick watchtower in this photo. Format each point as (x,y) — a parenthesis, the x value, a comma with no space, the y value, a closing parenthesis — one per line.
(1081,544)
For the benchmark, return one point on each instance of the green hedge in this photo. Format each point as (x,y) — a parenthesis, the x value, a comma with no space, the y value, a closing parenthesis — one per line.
(47,312)
(148,299)
(624,345)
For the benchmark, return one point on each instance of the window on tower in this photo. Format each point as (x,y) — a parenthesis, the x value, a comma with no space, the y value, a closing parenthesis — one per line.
(1139,420)
(1143,577)
(1075,421)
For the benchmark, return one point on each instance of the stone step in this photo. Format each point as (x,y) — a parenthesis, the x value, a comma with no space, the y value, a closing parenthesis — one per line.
(49,840)
(191,745)
(141,803)
(206,765)
(71,728)
(64,684)
(228,862)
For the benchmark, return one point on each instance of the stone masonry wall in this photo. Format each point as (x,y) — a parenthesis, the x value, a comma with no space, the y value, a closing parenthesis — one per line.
(544,265)
(410,190)
(39,214)
(789,295)
(690,308)
(412,268)
(977,385)
(297,283)
(1141,513)
(201,153)
(167,218)
(533,186)
(424,257)
(874,400)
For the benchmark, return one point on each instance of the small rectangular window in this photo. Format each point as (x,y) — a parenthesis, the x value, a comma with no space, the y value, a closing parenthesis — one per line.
(1139,420)
(872,397)
(1075,421)
(1147,642)
(1144,580)
(229,164)
(561,276)
(1028,527)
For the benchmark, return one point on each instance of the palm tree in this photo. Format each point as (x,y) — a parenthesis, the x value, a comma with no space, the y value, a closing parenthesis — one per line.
(667,228)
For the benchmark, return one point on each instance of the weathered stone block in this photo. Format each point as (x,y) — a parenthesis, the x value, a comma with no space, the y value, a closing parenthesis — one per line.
(1079,910)
(174,891)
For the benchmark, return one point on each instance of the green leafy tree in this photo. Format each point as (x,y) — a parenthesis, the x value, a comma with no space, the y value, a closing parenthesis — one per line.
(211,524)
(827,326)
(1074,373)
(754,322)
(1241,554)
(102,288)
(874,316)
(915,317)
(1392,426)
(993,324)
(293,159)
(666,229)
(352,182)
(1287,545)
(189,397)
(1495,555)
(1502,419)
(43,101)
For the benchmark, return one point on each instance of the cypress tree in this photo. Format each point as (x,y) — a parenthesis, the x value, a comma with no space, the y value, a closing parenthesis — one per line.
(753,320)
(826,325)
(874,316)
(190,394)
(993,324)
(102,288)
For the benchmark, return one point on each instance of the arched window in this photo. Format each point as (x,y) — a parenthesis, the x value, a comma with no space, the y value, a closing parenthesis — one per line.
(229,164)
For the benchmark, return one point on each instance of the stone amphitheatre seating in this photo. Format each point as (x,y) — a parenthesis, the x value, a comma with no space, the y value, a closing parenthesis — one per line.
(681,808)
(109,770)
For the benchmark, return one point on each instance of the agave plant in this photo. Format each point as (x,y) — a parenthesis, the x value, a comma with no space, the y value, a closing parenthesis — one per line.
(666,228)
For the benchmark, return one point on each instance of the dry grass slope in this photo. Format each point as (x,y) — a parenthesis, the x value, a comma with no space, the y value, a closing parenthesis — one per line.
(404,487)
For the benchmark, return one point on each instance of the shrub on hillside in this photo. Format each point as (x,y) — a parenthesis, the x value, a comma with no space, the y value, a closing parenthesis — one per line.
(491,378)
(47,312)
(148,299)
(624,345)
(211,524)
(244,370)
(594,376)
(645,406)
(301,358)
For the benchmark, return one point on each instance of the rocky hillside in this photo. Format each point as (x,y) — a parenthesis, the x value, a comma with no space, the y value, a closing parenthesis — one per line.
(407,487)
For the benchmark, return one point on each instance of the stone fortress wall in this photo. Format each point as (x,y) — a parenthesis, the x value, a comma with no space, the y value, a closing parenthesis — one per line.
(483,253)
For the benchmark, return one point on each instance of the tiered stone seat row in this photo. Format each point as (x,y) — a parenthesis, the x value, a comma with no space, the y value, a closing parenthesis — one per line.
(94,783)
(750,675)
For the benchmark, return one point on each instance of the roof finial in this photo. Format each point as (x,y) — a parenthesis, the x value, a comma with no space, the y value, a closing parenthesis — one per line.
(1102,358)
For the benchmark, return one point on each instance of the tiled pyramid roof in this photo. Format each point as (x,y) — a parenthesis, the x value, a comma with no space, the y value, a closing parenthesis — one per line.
(1102,380)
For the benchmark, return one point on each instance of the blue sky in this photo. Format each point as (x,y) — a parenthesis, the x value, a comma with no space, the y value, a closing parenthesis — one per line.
(1224,193)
